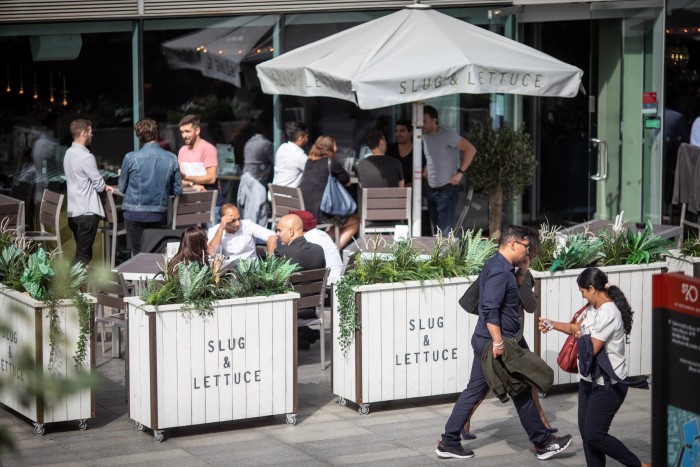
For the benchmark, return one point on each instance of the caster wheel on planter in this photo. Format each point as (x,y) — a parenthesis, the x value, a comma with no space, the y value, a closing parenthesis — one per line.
(82,424)
(542,394)
(39,429)
(343,402)
(158,435)
(291,419)
(364,409)
(140,427)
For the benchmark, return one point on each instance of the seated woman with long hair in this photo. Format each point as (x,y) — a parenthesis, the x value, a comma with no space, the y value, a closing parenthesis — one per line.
(313,184)
(193,247)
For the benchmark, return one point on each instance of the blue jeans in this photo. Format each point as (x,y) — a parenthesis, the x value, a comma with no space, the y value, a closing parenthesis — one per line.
(442,205)
(596,410)
(476,390)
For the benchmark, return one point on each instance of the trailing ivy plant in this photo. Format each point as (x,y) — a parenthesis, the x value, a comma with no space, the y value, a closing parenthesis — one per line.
(449,257)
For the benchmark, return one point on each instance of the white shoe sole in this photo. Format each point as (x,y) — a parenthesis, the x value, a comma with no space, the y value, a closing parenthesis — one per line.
(549,455)
(449,455)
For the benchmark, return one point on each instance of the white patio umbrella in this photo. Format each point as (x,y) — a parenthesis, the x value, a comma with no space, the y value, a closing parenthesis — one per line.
(411,55)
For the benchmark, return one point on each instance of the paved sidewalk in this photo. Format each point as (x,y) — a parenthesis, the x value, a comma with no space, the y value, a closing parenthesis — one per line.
(398,433)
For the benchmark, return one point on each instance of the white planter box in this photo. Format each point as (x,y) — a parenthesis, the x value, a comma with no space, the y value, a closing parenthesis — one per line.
(688,265)
(27,333)
(415,341)
(559,298)
(187,370)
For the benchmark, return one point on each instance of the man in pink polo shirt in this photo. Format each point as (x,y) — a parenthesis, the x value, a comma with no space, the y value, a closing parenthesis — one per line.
(198,159)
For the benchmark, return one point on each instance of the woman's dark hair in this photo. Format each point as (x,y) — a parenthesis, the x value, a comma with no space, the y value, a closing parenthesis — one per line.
(193,247)
(599,281)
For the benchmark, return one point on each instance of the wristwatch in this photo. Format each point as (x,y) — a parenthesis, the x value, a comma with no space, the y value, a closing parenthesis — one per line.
(459,169)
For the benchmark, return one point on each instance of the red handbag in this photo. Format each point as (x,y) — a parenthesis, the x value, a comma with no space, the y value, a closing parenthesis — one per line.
(568,355)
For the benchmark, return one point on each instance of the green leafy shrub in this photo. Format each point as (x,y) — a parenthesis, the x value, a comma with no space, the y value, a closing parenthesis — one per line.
(449,257)
(691,246)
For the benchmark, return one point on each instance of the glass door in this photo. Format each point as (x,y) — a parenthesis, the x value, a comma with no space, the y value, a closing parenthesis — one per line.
(595,157)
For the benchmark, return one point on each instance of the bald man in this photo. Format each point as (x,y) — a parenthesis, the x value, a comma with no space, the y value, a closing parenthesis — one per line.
(290,230)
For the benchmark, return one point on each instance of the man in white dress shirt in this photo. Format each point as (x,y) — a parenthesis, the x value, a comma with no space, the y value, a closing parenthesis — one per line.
(237,236)
(290,158)
(320,237)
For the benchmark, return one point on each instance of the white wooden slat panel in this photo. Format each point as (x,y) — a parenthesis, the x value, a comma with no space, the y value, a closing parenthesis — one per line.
(372,347)
(435,346)
(399,332)
(222,317)
(238,330)
(425,375)
(71,332)
(644,321)
(290,368)
(413,310)
(213,366)
(265,314)
(253,354)
(165,329)
(278,368)
(199,394)
(449,340)
(185,377)
(386,311)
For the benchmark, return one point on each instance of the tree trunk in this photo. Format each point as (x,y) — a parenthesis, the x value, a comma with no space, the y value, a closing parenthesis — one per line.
(495,211)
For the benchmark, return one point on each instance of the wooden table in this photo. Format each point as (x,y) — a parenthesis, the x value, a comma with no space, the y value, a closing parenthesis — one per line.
(142,266)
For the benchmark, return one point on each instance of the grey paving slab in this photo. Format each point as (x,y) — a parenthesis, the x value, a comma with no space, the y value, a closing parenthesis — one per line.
(401,433)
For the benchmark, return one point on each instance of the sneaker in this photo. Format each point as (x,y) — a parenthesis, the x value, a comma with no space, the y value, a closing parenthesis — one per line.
(555,447)
(457,452)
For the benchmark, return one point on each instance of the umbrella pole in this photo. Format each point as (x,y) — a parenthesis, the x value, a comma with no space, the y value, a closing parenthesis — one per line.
(417,185)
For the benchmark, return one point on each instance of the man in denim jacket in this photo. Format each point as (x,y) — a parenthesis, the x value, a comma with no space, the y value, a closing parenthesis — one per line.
(149,177)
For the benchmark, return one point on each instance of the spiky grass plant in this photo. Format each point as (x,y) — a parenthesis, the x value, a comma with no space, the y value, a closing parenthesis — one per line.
(579,251)
(625,247)
(449,257)
(258,277)
(691,246)
(548,247)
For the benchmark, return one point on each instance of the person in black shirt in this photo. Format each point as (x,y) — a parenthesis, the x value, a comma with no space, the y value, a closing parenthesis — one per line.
(295,248)
(307,255)
(379,171)
(499,300)
(402,149)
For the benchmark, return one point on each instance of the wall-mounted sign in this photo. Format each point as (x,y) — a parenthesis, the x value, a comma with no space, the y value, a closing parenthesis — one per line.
(649,105)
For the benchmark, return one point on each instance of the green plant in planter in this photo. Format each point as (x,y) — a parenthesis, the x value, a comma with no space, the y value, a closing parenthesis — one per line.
(691,246)
(196,287)
(548,247)
(579,251)
(624,247)
(402,262)
(504,166)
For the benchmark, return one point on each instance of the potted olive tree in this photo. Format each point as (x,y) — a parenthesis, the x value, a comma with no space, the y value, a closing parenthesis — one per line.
(503,167)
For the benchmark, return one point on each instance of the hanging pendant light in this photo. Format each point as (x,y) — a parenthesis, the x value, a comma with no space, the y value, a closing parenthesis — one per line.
(65,92)
(21,82)
(51,99)
(36,88)
(8,88)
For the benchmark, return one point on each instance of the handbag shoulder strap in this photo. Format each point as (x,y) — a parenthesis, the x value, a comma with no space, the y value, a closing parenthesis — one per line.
(578,313)
(329,167)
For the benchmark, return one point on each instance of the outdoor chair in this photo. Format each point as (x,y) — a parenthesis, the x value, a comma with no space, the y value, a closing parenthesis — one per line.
(49,216)
(112,228)
(683,185)
(311,285)
(194,208)
(109,295)
(381,209)
(12,214)
(286,199)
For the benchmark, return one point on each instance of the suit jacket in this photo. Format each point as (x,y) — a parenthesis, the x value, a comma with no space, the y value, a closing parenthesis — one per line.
(515,371)
(306,254)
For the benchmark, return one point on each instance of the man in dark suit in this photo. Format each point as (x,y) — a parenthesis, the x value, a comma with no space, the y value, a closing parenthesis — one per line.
(307,255)
(290,230)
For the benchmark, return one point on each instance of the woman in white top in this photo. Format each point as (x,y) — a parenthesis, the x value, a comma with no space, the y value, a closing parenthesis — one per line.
(607,319)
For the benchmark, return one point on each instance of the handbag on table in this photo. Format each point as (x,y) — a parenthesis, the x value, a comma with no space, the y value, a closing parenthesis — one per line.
(336,200)
(568,355)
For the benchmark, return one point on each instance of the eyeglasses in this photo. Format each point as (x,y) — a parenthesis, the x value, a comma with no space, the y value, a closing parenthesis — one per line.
(526,245)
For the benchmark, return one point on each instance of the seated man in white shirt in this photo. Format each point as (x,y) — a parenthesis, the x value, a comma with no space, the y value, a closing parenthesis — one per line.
(237,236)
(320,237)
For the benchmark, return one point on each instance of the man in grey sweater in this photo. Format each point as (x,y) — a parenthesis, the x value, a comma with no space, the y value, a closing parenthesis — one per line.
(83,181)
